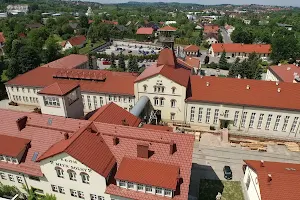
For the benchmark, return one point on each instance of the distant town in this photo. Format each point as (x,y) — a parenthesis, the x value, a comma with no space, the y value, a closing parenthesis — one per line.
(151,101)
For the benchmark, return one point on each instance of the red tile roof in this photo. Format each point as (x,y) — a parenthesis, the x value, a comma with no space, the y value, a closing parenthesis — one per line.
(285,180)
(114,114)
(211,29)
(86,147)
(167,28)
(148,172)
(158,127)
(243,48)
(12,146)
(58,89)
(113,82)
(2,38)
(110,22)
(285,73)
(189,62)
(191,48)
(259,94)
(77,40)
(68,62)
(144,31)
(41,134)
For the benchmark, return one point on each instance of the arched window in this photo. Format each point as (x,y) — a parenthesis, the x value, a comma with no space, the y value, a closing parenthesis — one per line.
(162,89)
(155,101)
(145,88)
(72,175)
(162,101)
(173,103)
(85,178)
(173,90)
(59,172)
(155,88)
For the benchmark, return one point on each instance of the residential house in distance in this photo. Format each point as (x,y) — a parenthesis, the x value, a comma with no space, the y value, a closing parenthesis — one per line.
(287,26)
(266,180)
(211,38)
(17,8)
(192,50)
(247,21)
(229,29)
(73,61)
(145,33)
(76,41)
(110,22)
(167,23)
(284,73)
(210,28)
(2,41)
(239,50)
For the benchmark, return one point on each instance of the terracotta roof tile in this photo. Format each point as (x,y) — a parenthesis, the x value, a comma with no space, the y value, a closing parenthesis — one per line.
(285,73)
(259,94)
(285,180)
(243,48)
(158,127)
(167,28)
(144,31)
(12,146)
(68,62)
(114,114)
(191,48)
(58,89)
(211,29)
(77,40)
(189,62)
(2,38)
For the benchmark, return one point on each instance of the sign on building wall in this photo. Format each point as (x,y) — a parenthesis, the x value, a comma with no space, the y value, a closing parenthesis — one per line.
(70,164)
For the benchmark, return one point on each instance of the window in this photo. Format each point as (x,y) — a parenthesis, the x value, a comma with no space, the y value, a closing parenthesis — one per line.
(200,114)
(54,188)
(268,121)
(277,122)
(120,99)
(59,172)
(140,187)
(158,190)
(226,114)
(24,99)
(115,99)
(172,116)
(15,161)
(12,88)
(19,179)
(148,188)
(192,117)
(101,101)
(155,88)
(248,182)
(61,190)
(207,120)
(109,98)
(122,184)
(80,194)
(295,122)
(11,177)
(168,193)
(30,98)
(2,176)
(93,197)
(23,90)
(285,123)
(145,88)
(95,102)
(156,101)
(72,175)
(89,102)
(73,193)
(34,90)
(244,119)
(101,198)
(85,178)
(236,117)
(130,185)
(162,101)
(28,90)
(252,120)
(72,97)
(17,89)
(36,99)
(163,89)
(260,119)
(216,116)
(2,158)
(173,90)
(8,159)
(130,100)
(51,101)
(173,103)
(125,100)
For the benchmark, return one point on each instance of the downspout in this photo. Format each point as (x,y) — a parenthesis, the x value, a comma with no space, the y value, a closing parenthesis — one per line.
(26,185)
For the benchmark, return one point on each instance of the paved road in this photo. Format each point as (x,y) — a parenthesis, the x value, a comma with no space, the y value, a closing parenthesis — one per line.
(226,37)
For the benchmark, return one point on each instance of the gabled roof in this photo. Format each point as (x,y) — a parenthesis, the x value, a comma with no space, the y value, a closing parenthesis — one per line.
(12,146)
(211,35)
(211,28)
(114,114)
(189,62)
(191,48)
(167,28)
(158,127)
(148,173)
(87,147)
(77,40)
(259,93)
(59,89)
(68,62)
(2,38)
(110,22)
(285,179)
(144,31)
(285,73)
(243,48)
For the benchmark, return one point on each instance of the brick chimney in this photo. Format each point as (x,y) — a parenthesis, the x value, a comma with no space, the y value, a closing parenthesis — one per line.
(21,122)
(173,147)
(115,141)
(262,163)
(143,150)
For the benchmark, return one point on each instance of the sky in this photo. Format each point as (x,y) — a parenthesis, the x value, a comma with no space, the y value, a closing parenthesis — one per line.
(210,2)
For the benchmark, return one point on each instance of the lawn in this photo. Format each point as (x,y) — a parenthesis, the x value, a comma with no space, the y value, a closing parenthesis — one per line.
(88,47)
(230,190)
(195,33)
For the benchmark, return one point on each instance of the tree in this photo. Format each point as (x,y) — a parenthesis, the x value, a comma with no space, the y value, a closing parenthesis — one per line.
(84,21)
(242,35)
(206,60)
(121,63)
(52,50)
(133,65)
(223,64)
(198,41)
(220,37)
(7,190)
(113,61)
(234,68)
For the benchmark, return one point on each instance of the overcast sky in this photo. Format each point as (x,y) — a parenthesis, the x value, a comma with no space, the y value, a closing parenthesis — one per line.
(266,2)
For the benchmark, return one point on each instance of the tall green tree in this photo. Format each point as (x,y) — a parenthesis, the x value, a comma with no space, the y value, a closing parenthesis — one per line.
(84,21)
(121,63)
(223,64)
(133,65)
(52,50)
(234,68)
(113,65)
(242,35)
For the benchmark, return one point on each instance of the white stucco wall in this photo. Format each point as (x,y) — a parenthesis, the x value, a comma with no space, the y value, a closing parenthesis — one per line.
(270,76)
(253,190)
(22,92)
(211,40)
(235,54)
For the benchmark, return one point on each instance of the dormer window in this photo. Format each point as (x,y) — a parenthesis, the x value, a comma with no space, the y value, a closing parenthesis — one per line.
(15,161)
(9,159)
(59,172)
(85,178)
(2,158)
(162,101)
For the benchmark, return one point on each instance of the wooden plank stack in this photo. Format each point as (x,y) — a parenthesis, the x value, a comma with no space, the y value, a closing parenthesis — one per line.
(292,146)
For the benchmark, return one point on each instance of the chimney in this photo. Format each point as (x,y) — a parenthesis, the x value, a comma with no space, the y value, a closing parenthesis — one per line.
(21,122)
(277,82)
(279,64)
(66,135)
(248,87)
(269,178)
(262,163)
(115,141)
(124,123)
(207,84)
(288,68)
(279,90)
(173,147)
(143,150)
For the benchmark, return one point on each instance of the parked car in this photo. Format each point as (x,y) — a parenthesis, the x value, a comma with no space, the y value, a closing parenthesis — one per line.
(106,63)
(129,51)
(227,172)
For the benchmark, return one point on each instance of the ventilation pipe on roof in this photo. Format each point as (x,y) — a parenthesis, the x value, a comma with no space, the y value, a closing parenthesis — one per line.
(262,163)
(115,141)
(207,84)
(21,122)
(269,178)
(173,147)
(66,135)
(279,90)
(248,87)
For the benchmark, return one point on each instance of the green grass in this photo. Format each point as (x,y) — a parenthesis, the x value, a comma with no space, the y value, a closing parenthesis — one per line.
(230,190)
(88,47)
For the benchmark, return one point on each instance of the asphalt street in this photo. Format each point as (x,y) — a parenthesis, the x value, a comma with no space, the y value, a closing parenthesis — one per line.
(226,37)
